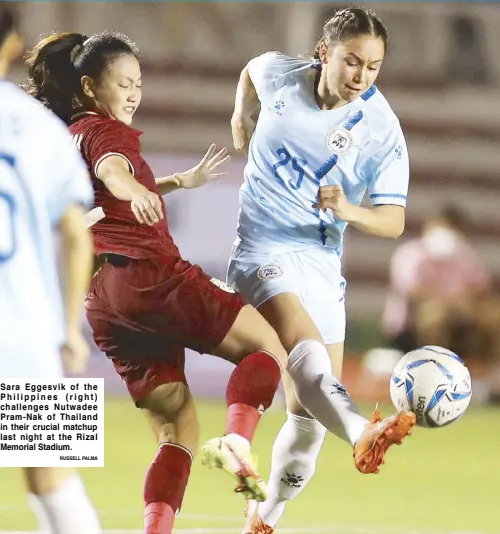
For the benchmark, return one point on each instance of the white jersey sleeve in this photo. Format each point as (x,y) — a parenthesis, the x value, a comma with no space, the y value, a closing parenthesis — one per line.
(269,67)
(389,170)
(69,182)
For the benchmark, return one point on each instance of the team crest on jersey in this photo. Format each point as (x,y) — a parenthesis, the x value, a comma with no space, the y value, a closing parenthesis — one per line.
(269,271)
(222,285)
(338,141)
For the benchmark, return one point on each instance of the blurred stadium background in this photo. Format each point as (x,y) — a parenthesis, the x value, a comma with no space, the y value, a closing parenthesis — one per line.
(442,77)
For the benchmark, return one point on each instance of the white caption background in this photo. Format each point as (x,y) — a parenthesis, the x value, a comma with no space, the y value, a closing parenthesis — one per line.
(52,422)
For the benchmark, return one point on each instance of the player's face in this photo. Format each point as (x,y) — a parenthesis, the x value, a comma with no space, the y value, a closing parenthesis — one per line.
(118,93)
(352,66)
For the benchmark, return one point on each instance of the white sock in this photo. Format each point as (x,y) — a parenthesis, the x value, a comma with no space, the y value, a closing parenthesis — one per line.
(295,452)
(39,511)
(321,394)
(66,510)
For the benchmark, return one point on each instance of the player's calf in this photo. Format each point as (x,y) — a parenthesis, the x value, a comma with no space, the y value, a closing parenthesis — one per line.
(164,487)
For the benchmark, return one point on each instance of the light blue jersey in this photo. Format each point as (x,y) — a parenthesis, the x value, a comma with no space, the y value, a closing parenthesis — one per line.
(41,175)
(296,148)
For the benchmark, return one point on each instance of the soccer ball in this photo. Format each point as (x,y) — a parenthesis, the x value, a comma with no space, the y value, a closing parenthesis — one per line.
(434,383)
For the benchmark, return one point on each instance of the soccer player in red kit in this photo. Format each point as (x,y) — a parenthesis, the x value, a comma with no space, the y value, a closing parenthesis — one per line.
(147,304)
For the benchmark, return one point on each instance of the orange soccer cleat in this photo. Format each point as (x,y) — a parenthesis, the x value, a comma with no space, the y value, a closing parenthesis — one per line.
(254,523)
(378,436)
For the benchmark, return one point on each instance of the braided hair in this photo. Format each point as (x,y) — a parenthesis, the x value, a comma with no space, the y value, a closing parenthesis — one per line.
(349,23)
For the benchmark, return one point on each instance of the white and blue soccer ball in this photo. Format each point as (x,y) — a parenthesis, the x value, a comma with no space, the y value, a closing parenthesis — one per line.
(434,383)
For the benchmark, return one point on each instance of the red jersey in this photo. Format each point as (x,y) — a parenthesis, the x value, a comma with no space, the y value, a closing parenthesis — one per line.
(119,232)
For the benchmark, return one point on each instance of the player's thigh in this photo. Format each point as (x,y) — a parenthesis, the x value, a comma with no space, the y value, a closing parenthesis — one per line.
(165,297)
(288,316)
(249,333)
(272,283)
(171,413)
(323,293)
(45,480)
(336,352)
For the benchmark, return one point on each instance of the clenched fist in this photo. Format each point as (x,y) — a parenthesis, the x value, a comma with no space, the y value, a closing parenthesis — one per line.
(333,197)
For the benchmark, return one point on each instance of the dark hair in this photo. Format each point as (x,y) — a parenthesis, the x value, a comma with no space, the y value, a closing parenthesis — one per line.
(58,62)
(7,24)
(453,216)
(351,22)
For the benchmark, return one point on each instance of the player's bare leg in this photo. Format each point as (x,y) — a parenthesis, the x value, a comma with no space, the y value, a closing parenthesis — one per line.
(59,501)
(171,412)
(254,346)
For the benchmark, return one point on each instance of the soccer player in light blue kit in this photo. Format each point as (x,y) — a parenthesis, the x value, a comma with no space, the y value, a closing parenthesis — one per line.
(43,185)
(324,136)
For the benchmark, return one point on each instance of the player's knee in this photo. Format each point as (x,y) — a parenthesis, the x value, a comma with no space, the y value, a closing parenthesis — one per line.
(166,401)
(251,333)
(270,342)
(45,480)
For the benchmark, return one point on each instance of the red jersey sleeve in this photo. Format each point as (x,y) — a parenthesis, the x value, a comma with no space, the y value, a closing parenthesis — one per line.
(108,139)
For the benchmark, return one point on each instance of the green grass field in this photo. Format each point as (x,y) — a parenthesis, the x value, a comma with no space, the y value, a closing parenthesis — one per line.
(440,481)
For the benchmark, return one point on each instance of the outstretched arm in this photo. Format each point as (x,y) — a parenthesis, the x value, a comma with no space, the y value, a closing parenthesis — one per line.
(200,174)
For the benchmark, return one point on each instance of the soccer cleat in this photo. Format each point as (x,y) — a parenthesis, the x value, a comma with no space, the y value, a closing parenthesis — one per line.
(378,436)
(254,523)
(232,454)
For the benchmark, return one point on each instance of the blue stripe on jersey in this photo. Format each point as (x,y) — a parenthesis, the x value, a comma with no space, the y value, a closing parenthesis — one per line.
(348,124)
(332,161)
(353,120)
(369,93)
(388,195)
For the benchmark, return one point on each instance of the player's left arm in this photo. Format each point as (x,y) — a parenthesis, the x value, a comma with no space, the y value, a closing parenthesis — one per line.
(388,168)
(205,171)
(383,221)
(69,195)
(77,264)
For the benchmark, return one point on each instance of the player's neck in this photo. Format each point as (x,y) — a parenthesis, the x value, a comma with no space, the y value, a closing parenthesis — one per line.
(323,98)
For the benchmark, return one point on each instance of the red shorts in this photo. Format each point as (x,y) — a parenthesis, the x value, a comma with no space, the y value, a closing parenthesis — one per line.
(145,312)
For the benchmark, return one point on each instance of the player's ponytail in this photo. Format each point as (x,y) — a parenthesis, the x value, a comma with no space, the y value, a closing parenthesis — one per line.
(57,64)
(350,23)
(52,75)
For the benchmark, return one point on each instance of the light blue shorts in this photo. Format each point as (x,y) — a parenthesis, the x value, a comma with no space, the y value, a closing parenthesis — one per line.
(314,275)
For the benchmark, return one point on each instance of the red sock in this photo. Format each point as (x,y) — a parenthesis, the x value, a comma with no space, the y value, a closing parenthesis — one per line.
(164,487)
(250,391)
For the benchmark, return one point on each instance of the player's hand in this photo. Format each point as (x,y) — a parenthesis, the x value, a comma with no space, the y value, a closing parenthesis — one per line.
(242,130)
(333,197)
(147,208)
(205,171)
(75,352)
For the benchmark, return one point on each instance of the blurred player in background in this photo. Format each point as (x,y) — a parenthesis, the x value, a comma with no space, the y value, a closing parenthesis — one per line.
(43,186)
(146,304)
(438,290)
(324,135)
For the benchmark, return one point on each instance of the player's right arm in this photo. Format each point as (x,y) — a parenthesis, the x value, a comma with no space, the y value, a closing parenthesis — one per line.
(114,172)
(245,106)
(254,86)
